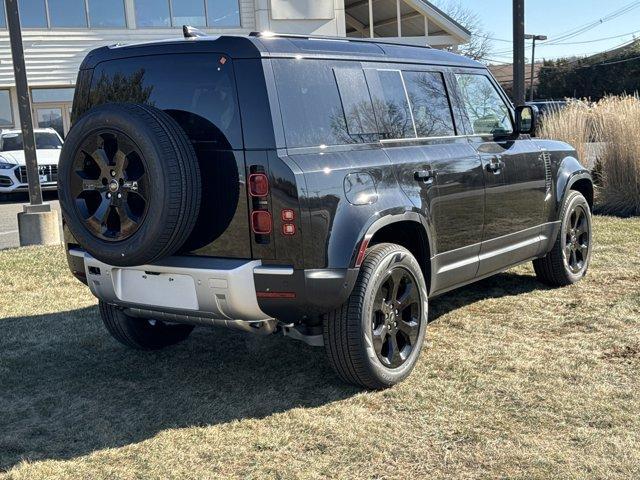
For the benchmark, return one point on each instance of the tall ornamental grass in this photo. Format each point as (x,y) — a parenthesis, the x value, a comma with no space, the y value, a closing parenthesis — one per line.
(614,123)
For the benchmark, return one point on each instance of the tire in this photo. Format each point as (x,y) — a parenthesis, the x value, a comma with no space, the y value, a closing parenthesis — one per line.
(129,184)
(140,333)
(558,268)
(355,333)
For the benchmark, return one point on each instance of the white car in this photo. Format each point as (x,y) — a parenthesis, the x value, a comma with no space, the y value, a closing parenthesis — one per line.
(13,170)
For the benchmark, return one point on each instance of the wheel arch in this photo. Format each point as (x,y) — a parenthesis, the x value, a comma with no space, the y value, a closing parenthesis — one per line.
(573,176)
(408,230)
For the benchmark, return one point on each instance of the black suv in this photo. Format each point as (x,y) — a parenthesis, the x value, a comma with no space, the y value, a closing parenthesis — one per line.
(324,188)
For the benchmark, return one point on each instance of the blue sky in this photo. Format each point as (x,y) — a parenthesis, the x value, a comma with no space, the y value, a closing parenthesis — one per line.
(556,17)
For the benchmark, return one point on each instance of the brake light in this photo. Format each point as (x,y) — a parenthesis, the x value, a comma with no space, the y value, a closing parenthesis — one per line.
(258,185)
(261,222)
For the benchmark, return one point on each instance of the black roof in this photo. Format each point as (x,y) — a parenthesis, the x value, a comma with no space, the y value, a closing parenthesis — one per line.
(262,45)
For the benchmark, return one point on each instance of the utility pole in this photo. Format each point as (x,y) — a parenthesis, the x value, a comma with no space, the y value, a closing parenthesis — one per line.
(518,52)
(533,59)
(37,224)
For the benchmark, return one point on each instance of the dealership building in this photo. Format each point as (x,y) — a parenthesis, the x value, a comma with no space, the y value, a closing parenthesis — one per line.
(57,34)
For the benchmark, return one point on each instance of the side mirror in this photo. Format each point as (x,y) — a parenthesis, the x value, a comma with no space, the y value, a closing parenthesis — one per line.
(526,119)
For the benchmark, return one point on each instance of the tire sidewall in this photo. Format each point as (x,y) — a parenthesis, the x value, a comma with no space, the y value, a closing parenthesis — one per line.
(575,199)
(399,258)
(110,117)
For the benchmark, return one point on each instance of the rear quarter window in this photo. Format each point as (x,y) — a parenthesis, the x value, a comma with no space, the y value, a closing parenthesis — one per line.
(197,90)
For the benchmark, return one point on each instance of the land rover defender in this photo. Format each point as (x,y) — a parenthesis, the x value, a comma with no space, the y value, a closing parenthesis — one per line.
(324,188)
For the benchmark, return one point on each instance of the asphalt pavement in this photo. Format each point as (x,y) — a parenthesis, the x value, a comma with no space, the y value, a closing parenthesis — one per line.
(10,205)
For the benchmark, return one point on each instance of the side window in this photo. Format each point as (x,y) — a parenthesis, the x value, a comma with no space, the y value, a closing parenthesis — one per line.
(390,104)
(310,103)
(429,103)
(356,104)
(485,108)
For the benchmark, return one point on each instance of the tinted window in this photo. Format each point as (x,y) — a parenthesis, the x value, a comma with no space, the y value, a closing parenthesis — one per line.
(44,141)
(152,13)
(310,104)
(67,13)
(3,18)
(223,13)
(6,114)
(429,104)
(32,13)
(356,104)
(390,104)
(195,89)
(106,13)
(188,12)
(485,108)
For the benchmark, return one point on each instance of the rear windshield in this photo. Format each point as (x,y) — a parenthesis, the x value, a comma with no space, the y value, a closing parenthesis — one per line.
(44,141)
(197,90)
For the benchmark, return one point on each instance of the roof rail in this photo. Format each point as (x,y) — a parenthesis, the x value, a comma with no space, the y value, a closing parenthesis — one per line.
(336,39)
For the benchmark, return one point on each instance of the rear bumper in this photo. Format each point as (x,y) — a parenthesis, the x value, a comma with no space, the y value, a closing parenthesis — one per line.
(193,289)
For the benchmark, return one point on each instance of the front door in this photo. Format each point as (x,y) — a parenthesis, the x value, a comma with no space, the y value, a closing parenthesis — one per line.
(514,172)
(437,169)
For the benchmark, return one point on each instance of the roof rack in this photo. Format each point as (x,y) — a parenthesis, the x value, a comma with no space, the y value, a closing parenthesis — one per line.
(335,39)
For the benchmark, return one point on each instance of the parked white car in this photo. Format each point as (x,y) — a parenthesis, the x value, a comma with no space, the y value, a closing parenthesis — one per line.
(13,170)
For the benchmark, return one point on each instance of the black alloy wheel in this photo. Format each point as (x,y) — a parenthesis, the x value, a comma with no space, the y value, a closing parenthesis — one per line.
(110,185)
(576,239)
(568,260)
(396,318)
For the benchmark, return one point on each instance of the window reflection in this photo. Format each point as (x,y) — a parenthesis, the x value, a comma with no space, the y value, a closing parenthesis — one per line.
(429,103)
(359,119)
(32,13)
(152,13)
(390,104)
(67,13)
(188,12)
(106,13)
(485,109)
(223,13)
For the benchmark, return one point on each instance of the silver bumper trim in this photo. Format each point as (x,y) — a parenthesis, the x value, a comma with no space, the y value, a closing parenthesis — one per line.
(182,287)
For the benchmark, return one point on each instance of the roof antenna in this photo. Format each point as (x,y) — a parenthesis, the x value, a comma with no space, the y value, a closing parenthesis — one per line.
(192,32)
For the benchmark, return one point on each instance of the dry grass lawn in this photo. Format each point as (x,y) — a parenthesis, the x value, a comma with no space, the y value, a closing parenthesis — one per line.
(517,381)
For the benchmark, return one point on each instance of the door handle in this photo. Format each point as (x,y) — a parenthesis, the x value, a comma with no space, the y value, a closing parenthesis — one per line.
(425,176)
(496,164)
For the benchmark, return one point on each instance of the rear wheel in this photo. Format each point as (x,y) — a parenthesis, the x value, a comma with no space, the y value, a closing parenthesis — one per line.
(141,333)
(568,260)
(375,338)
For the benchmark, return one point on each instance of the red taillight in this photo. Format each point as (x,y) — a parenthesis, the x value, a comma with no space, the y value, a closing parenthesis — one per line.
(261,222)
(258,185)
(288,215)
(288,229)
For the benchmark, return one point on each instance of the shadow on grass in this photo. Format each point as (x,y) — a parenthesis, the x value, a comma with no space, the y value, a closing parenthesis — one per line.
(68,389)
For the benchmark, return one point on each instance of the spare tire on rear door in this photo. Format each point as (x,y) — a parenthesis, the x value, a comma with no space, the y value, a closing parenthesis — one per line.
(129,184)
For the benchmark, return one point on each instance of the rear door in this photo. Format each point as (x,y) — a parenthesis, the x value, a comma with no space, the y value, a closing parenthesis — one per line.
(514,173)
(437,169)
(199,91)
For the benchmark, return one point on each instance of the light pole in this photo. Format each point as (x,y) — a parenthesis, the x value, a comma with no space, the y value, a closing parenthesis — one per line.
(519,96)
(533,58)
(37,224)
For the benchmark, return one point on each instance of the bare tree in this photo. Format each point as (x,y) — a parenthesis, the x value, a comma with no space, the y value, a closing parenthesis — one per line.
(479,47)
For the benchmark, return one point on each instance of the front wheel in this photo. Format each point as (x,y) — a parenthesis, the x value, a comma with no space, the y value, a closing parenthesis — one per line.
(568,260)
(375,338)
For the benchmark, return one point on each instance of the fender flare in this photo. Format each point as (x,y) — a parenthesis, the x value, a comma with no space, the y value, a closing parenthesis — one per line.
(570,172)
(375,225)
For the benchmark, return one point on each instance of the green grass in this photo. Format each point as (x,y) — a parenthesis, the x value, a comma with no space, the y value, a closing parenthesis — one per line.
(516,381)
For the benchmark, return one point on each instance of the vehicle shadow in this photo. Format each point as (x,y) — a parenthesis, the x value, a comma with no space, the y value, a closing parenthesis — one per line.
(69,389)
